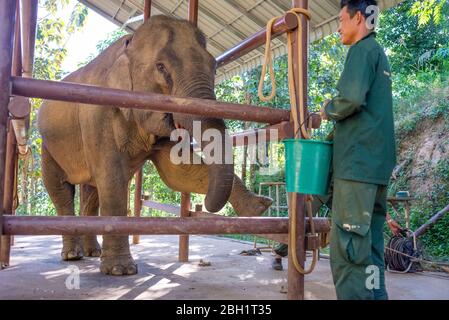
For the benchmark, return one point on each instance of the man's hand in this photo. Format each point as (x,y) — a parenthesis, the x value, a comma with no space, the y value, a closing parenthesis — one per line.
(394,227)
(322,111)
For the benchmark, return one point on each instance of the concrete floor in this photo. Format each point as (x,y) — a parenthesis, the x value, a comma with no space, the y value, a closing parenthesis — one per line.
(36,272)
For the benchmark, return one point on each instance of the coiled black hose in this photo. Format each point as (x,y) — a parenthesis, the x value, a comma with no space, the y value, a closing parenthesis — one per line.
(400,254)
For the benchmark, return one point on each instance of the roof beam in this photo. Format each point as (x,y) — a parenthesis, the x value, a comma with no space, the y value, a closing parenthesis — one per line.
(104,15)
(247,13)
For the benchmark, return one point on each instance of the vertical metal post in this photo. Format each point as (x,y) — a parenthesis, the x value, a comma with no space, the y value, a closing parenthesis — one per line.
(29,24)
(185,197)
(11,147)
(138,201)
(139,174)
(193,11)
(296,279)
(184,239)
(277,201)
(147,10)
(7,17)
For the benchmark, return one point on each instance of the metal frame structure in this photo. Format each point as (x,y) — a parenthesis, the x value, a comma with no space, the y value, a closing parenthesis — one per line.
(13,85)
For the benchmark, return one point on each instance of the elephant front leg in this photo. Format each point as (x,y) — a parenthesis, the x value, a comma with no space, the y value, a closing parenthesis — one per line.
(62,195)
(115,256)
(89,207)
(194,178)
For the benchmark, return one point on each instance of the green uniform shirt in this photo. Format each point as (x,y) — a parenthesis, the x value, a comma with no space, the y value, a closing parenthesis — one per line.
(364,144)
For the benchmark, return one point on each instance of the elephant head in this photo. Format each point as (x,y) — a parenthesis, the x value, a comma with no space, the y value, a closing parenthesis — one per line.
(169,56)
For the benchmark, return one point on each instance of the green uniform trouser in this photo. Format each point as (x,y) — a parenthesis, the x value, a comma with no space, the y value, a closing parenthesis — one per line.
(357,244)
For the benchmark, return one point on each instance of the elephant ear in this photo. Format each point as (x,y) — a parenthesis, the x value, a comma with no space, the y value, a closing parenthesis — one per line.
(119,74)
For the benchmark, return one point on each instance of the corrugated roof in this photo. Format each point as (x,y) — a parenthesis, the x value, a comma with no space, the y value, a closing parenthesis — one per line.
(228,22)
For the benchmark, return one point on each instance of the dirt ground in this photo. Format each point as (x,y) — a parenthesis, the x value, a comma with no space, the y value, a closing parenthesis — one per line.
(36,272)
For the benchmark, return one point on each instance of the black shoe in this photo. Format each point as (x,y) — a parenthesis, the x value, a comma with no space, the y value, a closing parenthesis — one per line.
(276,264)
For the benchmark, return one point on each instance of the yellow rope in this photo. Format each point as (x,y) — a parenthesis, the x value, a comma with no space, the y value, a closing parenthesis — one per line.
(297,126)
(291,79)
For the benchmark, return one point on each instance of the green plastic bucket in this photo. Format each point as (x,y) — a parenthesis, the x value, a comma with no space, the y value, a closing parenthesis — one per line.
(307,166)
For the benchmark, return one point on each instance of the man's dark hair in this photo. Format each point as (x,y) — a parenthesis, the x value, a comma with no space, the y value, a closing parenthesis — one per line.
(358,5)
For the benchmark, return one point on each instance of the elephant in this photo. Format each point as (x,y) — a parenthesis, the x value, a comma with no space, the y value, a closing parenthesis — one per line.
(100,148)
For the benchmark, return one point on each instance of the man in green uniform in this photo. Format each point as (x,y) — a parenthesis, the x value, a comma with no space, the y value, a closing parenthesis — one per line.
(364,157)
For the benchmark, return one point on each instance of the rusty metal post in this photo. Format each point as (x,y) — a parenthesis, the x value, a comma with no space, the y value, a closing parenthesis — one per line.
(184,239)
(7,17)
(193,11)
(29,25)
(185,197)
(139,174)
(147,10)
(28,21)
(8,197)
(138,200)
(11,147)
(296,279)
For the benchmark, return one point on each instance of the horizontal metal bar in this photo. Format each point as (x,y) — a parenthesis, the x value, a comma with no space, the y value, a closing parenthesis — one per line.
(32,225)
(74,92)
(254,136)
(162,207)
(321,224)
(286,23)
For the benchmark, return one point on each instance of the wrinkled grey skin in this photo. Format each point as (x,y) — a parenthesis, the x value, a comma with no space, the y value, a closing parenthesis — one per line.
(101,148)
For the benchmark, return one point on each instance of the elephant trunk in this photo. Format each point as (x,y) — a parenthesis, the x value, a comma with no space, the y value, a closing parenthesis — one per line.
(221,175)
(221,172)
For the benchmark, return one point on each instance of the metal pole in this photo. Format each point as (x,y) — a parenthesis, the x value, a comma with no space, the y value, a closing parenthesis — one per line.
(71,225)
(73,92)
(296,279)
(147,10)
(282,25)
(138,201)
(7,17)
(184,239)
(11,147)
(29,25)
(139,174)
(193,11)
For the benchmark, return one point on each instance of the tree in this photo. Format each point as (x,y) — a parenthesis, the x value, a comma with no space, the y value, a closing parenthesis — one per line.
(50,51)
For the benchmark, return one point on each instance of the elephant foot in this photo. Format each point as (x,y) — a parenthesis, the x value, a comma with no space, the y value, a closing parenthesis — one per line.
(72,248)
(91,246)
(118,265)
(253,206)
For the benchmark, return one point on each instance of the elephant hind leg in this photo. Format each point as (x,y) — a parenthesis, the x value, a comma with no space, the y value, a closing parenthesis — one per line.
(62,195)
(89,207)
(195,178)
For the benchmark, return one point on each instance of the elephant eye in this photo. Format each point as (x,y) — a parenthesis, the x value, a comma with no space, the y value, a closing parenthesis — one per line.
(161,68)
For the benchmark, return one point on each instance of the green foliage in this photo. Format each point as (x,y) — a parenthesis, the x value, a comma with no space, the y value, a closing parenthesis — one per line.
(51,38)
(413,33)
(103,44)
